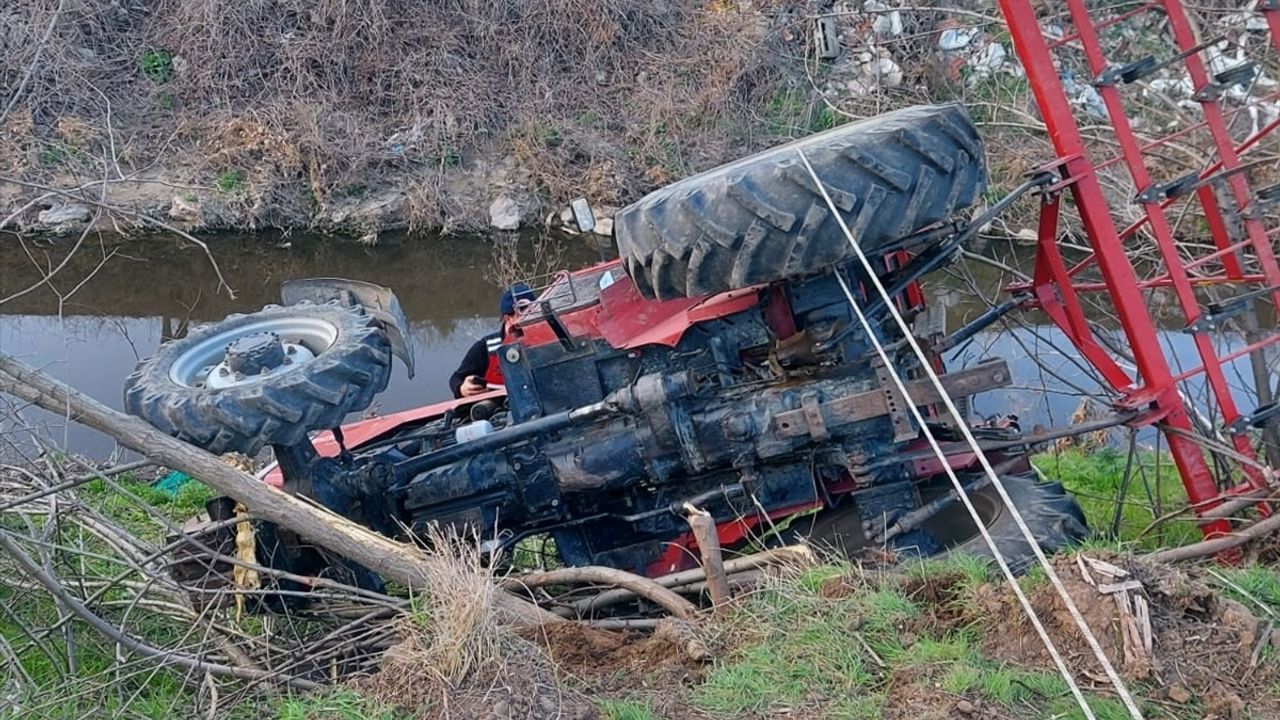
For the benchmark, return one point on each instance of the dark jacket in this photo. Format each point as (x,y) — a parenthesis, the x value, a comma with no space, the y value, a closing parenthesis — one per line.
(475,362)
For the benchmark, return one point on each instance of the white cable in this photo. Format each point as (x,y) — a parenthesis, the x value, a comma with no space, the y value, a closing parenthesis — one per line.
(973,512)
(1119,685)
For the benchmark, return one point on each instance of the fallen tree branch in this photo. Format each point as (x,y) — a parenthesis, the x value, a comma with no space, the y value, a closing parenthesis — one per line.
(635,584)
(736,581)
(708,539)
(1205,548)
(393,560)
(55,588)
(70,483)
(777,556)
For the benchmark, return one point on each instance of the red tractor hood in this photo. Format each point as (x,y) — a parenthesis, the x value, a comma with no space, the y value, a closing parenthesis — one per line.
(616,312)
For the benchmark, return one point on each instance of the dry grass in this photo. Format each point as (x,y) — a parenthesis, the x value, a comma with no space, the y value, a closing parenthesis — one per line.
(315,101)
(455,659)
(605,98)
(453,629)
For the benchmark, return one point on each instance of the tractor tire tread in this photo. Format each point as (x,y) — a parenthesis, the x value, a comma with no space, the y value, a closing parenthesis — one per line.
(277,410)
(757,220)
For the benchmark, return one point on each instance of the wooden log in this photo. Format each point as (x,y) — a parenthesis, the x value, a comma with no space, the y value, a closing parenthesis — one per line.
(392,560)
(1216,545)
(708,538)
(637,585)
(799,554)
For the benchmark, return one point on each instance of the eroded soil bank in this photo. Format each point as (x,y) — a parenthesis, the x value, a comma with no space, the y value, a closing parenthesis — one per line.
(360,118)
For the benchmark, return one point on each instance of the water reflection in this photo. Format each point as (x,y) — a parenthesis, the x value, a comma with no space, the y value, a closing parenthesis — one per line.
(152,290)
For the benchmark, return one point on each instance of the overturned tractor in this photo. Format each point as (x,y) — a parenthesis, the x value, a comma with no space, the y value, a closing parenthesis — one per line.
(716,362)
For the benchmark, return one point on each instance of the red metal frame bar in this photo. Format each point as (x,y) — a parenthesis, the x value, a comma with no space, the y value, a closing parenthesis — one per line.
(1233,355)
(1069,38)
(1165,140)
(1055,287)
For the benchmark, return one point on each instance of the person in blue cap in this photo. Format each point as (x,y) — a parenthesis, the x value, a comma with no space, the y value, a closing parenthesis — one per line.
(480,367)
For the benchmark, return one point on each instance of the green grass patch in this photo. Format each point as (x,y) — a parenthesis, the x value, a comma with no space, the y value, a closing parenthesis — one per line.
(176,507)
(230,181)
(335,705)
(60,153)
(803,652)
(863,707)
(791,112)
(156,65)
(626,710)
(1096,479)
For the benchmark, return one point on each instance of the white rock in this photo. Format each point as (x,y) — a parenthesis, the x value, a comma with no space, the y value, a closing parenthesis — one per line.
(505,213)
(64,214)
(604,226)
(1173,87)
(184,210)
(888,23)
(886,72)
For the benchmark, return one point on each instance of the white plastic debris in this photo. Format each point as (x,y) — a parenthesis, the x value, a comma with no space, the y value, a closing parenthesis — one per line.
(956,39)
(988,60)
(1250,19)
(888,23)
(1262,114)
(1083,95)
(885,72)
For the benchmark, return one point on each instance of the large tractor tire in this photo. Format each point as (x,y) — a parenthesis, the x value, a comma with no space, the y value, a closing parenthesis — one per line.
(762,218)
(1053,517)
(266,378)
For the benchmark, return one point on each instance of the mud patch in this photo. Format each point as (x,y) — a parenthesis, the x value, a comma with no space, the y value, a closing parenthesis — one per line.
(1205,646)
(913,696)
(674,649)
(659,667)
(942,594)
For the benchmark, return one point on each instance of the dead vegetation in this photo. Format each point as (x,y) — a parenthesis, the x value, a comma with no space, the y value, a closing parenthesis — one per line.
(876,638)
(379,114)
(318,102)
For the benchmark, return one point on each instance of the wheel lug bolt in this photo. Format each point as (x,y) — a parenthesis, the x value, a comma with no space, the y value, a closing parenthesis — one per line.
(223,372)
(290,350)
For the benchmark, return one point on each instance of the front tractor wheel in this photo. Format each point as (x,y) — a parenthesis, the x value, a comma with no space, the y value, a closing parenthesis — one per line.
(266,378)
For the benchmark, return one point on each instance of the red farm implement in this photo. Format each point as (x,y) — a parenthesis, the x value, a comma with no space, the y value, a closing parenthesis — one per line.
(1192,249)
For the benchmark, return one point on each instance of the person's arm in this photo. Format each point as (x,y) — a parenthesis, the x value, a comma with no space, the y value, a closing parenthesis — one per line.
(475,362)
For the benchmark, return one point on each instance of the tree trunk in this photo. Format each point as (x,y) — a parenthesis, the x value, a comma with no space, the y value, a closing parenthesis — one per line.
(392,560)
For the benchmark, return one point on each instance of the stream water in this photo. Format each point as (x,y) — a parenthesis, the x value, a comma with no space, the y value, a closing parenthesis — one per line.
(93,322)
